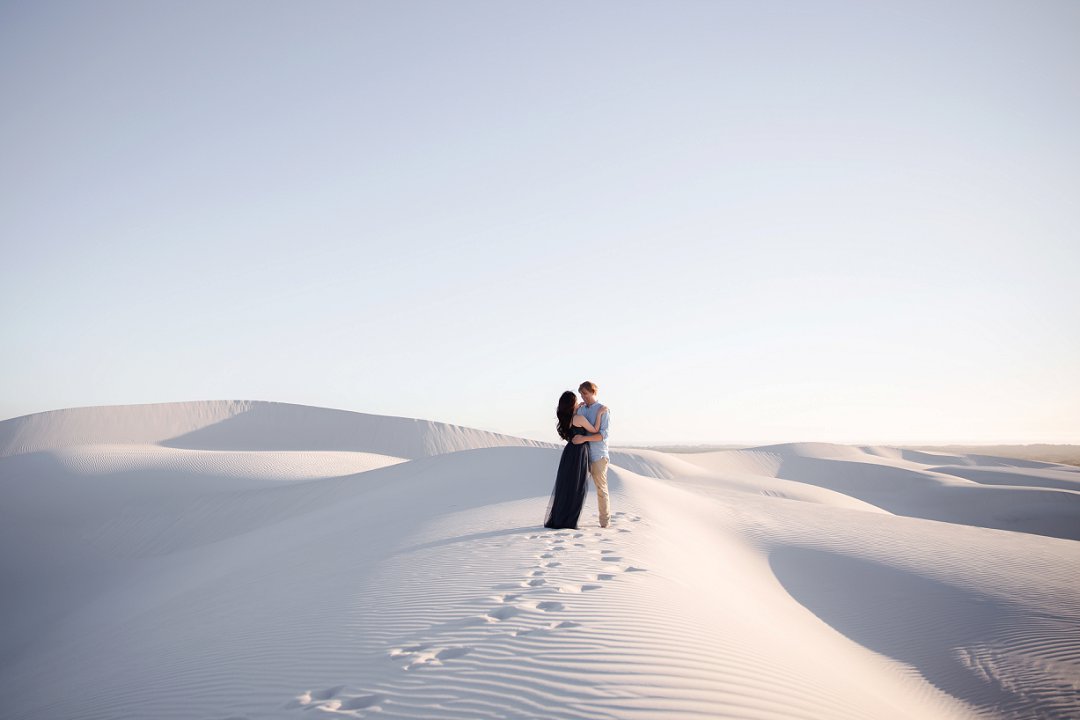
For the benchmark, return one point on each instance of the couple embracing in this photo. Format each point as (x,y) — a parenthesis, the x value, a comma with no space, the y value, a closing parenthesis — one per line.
(584,426)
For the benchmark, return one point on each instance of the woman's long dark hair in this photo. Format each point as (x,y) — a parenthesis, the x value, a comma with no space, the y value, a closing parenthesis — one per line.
(565,413)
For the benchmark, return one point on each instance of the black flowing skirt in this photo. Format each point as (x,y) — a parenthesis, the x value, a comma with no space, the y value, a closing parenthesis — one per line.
(571,486)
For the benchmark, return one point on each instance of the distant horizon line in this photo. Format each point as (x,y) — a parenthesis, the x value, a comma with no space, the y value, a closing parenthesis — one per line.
(639,444)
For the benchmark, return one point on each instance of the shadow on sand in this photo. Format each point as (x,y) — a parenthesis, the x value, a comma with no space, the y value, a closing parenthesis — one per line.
(972,647)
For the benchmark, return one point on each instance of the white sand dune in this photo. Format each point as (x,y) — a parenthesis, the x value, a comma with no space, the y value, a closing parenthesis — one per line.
(243,425)
(261,560)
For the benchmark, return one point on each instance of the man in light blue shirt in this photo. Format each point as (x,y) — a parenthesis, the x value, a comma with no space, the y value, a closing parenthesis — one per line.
(598,449)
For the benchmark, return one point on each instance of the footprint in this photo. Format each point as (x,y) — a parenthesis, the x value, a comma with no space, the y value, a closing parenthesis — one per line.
(565,624)
(610,558)
(406,651)
(503,613)
(537,582)
(328,706)
(327,693)
(419,656)
(578,588)
(579,544)
(547,555)
(606,552)
(452,653)
(577,535)
(550,606)
(634,569)
(360,702)
(506,597)
(623,530)
(605,576)
(552,564)
(537,573)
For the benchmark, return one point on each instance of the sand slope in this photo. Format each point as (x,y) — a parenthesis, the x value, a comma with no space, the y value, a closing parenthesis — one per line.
(261,560)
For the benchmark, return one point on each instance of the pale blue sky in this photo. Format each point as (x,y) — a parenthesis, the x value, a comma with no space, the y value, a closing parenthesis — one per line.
(747,221)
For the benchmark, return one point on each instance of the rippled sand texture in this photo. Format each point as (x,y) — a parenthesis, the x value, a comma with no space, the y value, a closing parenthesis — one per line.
(262,560)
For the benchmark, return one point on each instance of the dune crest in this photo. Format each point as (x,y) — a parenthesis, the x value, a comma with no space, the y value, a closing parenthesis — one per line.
(243,425)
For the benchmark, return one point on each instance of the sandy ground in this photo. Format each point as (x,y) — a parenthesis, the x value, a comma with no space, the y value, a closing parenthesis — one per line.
(262,560)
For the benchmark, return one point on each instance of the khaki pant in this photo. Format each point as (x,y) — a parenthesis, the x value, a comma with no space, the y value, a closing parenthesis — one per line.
(598,470)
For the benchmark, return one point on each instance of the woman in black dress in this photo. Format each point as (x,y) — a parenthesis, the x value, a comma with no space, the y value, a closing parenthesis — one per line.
(571,480)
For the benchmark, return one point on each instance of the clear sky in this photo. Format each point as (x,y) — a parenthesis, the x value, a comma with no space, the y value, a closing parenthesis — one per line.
(748,222)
